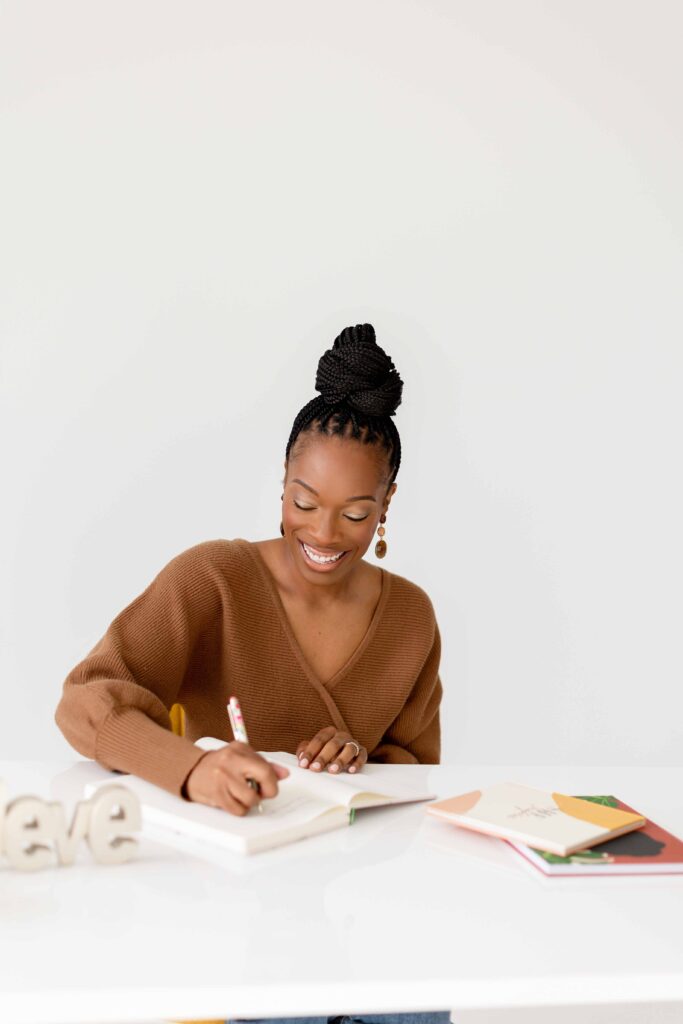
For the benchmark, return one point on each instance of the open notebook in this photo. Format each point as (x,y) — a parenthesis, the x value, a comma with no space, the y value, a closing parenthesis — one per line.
(307,803)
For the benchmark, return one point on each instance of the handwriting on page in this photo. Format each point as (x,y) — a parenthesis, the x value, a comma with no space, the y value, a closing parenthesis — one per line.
(285,803)
(34,833)
(532,811)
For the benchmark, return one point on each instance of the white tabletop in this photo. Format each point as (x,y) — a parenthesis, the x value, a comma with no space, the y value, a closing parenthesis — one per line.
(398,912)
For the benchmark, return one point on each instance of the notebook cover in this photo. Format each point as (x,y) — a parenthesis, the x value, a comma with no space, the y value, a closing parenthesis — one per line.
(551,821)
(650,849)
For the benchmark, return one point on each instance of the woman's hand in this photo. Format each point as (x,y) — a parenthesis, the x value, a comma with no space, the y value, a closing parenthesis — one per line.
(331,749)
(220,778)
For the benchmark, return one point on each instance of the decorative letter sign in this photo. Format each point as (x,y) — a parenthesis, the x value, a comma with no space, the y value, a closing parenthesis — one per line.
(114,810)
(34,833)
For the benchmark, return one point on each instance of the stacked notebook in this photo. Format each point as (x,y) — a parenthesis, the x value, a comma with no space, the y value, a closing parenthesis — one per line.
(647,850)
(568,835)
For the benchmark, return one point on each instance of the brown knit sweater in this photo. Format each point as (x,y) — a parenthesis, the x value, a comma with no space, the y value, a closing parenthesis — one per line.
(212,624)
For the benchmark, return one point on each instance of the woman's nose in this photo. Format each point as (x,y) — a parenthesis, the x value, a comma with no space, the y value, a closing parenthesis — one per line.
(326,529)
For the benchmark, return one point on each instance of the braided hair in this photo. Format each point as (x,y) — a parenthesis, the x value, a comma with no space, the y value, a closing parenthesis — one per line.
(360,391)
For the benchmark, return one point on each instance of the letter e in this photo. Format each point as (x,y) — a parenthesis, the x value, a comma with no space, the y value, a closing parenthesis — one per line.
(28,831)
(114,811)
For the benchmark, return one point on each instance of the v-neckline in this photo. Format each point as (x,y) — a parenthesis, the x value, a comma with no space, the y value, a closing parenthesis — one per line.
(296,647)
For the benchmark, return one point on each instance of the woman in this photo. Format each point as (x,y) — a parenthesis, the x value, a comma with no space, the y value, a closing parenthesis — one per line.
(332,658)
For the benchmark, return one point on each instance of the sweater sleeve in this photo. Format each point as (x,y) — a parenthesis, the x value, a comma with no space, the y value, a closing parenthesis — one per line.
(414,737)
(115,703)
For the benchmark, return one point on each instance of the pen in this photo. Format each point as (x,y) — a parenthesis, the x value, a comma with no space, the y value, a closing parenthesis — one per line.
(240,733)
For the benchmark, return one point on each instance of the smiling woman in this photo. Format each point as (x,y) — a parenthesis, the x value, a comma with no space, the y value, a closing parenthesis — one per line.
(331,657)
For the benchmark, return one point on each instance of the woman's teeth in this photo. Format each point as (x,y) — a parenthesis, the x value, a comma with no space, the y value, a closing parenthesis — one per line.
(321,559)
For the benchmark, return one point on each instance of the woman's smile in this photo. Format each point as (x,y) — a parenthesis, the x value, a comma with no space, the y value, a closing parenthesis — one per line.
(321,560)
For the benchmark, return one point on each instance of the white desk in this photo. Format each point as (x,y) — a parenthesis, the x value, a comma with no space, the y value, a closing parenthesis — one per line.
(397,912)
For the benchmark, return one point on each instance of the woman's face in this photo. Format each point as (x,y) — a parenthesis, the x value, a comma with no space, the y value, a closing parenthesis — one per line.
(334,494)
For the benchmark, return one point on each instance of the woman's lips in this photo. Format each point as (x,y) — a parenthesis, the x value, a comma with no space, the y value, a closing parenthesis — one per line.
(320,566)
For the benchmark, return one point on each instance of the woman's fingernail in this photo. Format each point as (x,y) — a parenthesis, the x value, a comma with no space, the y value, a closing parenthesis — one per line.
(304,762)
(316,765)
(334,768)
(352,768)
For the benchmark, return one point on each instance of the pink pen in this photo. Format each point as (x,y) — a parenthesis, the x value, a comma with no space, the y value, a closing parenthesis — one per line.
(240,733)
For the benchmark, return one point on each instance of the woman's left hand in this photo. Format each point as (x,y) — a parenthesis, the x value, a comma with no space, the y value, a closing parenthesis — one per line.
(331,749)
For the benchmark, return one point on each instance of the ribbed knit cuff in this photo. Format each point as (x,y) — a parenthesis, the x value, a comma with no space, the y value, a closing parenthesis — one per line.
(131,742)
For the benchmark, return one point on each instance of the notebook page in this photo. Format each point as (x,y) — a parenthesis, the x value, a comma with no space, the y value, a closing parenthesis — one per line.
(291,811)
(374,785)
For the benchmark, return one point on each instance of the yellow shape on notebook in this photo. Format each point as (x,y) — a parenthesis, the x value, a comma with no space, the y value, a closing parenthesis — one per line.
(596,814)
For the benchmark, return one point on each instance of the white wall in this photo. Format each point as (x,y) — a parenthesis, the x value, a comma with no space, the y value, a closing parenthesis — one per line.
(197,197)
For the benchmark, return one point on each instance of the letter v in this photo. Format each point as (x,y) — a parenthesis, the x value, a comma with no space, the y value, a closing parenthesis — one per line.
(66,842)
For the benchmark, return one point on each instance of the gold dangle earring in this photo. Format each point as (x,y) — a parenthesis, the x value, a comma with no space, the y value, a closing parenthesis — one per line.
(381,545)
(282,529)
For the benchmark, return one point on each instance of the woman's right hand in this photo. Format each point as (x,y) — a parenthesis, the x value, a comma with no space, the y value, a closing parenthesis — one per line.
(220,778)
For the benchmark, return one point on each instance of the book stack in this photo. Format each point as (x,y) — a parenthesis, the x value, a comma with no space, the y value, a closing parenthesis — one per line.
(566,835)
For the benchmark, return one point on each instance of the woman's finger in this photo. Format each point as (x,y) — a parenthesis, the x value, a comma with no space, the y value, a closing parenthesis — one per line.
(346,758)
(359,760)
(223,798)
(331,750)
(241,791)
(310,750)
(246,764)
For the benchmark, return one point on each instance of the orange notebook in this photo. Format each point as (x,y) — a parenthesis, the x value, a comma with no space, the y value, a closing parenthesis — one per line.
(547,821)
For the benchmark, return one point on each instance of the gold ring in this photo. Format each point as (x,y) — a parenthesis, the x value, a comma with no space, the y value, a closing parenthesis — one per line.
(352,743)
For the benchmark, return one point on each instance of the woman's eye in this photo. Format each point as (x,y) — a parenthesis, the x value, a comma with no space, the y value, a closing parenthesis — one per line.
(310,508)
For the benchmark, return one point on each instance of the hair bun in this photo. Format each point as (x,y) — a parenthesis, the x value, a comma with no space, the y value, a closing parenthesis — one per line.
(359,373)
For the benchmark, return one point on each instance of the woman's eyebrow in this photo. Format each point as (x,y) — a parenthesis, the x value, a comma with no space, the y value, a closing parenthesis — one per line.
(357,497)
